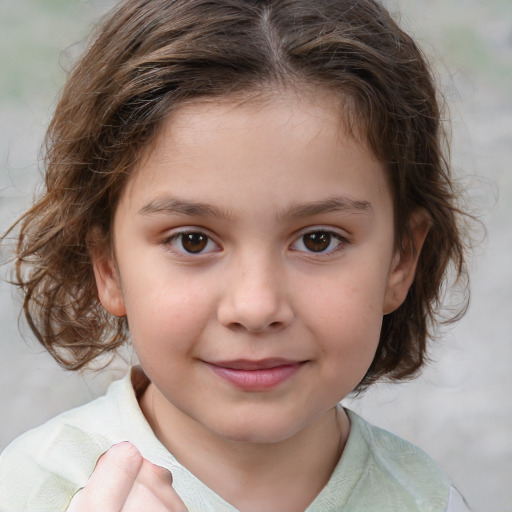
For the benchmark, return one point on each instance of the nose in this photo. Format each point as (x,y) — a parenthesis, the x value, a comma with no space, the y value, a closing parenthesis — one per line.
(255,296)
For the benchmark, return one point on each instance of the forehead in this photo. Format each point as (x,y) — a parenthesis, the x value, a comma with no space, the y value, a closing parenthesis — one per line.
(327,109)
(289,147)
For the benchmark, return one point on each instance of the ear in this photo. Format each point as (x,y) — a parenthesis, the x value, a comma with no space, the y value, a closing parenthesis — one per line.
(106,273)
(403,267)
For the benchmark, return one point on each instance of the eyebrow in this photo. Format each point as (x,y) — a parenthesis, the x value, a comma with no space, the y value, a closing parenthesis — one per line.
(333,204)
(175,206)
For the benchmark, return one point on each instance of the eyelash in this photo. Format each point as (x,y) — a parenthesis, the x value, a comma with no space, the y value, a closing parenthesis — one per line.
(333,236)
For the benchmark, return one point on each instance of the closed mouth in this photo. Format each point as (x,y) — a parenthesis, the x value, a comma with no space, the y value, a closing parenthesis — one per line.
(252,365)
(256,375)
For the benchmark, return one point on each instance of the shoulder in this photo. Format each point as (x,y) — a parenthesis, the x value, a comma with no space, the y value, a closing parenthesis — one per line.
(390,473)
(393,454)
(42,469)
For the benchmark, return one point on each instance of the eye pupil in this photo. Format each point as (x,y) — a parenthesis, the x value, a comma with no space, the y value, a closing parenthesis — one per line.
(194,242)
(317,242)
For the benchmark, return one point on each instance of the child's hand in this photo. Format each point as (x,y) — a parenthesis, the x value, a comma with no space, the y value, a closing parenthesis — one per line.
(124,481)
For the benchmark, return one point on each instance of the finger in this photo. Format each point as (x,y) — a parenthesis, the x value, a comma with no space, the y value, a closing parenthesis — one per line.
(111,482)
(152,490)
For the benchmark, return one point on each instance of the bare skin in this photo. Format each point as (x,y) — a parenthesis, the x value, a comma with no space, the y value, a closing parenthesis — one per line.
(124,481)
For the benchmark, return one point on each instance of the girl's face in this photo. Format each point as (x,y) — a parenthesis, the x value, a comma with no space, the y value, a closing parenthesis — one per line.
(254,258)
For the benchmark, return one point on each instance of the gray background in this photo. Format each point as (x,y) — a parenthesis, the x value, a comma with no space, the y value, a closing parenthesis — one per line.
(459,410)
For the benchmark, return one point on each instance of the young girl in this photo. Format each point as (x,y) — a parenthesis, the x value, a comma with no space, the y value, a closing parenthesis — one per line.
(255,193)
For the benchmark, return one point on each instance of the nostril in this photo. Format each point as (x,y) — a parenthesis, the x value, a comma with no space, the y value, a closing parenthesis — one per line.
(254,310)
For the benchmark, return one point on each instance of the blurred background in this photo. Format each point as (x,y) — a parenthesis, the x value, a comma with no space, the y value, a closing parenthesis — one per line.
(460,409)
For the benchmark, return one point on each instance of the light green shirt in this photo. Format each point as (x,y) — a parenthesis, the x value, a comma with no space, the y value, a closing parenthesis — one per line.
(42,469)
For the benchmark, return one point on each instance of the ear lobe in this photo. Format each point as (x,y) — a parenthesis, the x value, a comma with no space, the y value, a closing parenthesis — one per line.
(106,275)
(403,267)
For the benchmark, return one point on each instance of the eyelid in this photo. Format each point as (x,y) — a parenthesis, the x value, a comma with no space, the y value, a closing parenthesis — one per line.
(316,228)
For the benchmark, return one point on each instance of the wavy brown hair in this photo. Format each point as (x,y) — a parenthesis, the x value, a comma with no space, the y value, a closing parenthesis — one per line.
(147,58)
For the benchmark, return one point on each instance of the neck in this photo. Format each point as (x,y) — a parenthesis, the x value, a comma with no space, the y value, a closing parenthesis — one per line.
(285,476)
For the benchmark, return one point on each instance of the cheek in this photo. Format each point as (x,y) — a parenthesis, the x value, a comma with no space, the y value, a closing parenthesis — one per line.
(166,318)
(347,313)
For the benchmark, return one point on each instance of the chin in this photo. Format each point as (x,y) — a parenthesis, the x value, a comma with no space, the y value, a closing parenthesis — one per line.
(257,431)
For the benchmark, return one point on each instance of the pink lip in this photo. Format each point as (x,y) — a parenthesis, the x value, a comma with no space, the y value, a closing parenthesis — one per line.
(256,375)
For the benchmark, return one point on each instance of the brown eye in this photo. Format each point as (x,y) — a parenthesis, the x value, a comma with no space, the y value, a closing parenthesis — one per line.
(194,242)
(318,241)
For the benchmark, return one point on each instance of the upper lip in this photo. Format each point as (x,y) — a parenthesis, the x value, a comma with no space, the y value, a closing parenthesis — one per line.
(259,364)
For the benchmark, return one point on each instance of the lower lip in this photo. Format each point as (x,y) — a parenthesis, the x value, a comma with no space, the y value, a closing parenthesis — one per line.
(257,380)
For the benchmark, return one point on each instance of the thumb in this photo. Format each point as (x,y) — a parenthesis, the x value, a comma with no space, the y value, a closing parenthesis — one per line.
(111,481)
